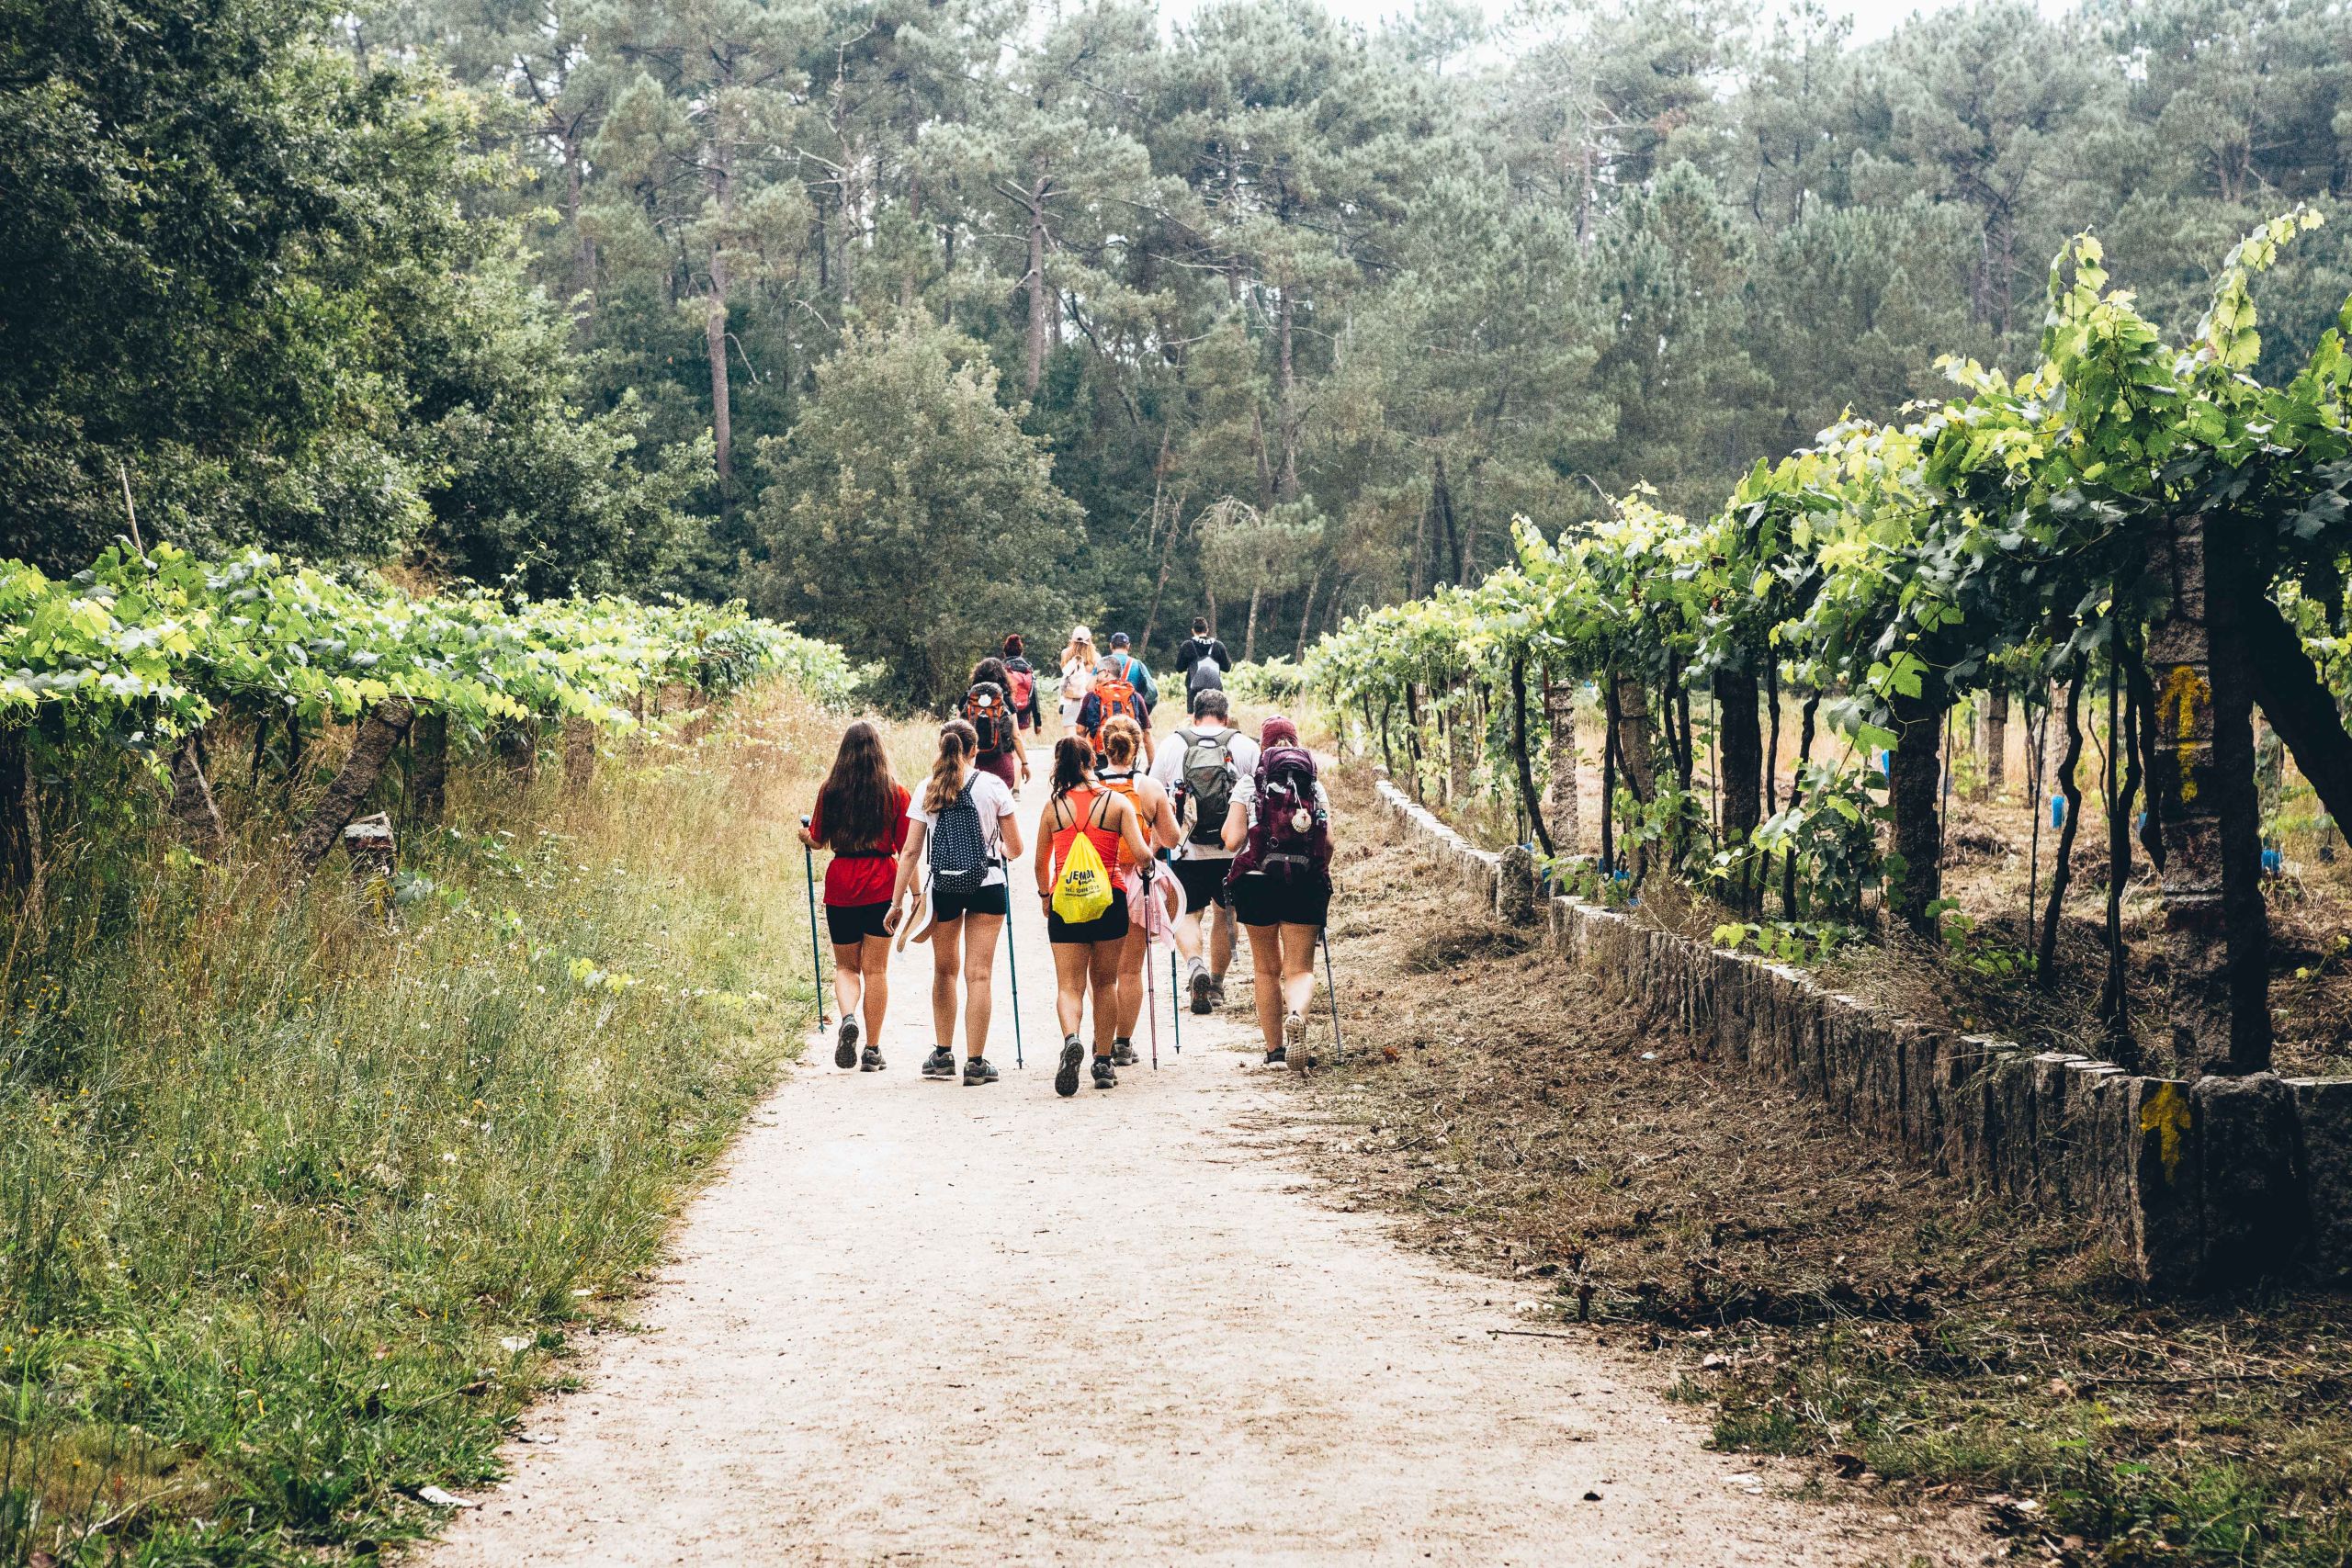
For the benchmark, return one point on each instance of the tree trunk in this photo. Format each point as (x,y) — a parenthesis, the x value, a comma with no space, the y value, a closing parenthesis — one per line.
(378,733)
(2114,1002)
(1034,282)
(1631,730)
(1796,794)
(192,804)
(1286,486)
(517,745)
(1413,732)
(1209,594)
(1993,741)
(1561,802)
(1912,783)
(2062,868)
(2141,693)
(2299,706)
(1441,509)
(1743,768)
(584,249)
(1519,746)
(722,417)
(19,810)
(578,754)
(1306,615)
(1611,726)
(2216,929)
(1249,636)
(431,791)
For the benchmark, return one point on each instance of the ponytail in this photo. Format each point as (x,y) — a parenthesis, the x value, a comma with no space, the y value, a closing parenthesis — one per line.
(957,741)
(1073,761)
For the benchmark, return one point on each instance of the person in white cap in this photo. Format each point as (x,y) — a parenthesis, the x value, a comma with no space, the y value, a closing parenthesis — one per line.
(1078,673)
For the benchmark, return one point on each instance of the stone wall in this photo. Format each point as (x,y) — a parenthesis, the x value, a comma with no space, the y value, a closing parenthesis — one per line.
(2190,1184)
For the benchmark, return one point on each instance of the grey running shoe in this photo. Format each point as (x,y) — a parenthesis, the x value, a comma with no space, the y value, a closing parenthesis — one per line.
(978,1069)
(1122,1053)
(872,1061)
(1105,1075)
(1274,1057)
(846,1044)
(940,1063)
(1294,1041)
(1066,1076)
(1205,989)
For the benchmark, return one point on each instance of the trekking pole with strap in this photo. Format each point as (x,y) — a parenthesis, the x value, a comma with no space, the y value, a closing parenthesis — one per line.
(1150,987)
(816,962)
(1175,1002)
(1014,965)
(1331,987)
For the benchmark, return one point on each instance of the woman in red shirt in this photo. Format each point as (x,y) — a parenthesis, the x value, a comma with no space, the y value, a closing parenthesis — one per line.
(861,816)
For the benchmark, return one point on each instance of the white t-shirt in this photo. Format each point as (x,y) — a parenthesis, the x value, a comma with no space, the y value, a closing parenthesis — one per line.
(992,799)
(1167,767)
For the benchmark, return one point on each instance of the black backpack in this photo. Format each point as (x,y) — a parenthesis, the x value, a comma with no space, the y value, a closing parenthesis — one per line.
(960,862)
(1205,677)
(1208,780)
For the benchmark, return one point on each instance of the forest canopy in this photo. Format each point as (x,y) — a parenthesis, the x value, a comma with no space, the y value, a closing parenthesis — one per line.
(1249,312)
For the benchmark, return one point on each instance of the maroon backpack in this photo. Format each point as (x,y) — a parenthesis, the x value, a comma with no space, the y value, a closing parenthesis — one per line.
(1291,837)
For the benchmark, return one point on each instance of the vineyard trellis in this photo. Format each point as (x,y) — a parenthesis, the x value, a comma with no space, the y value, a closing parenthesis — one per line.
(2132,523)
(153,653)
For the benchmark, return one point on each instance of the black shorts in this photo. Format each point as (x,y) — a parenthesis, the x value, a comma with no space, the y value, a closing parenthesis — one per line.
(1204,883)
(1111,925)
(989,900)
(1262,900)
(852,923)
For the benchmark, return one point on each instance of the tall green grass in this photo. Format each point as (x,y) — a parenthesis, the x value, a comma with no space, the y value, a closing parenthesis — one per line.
(299,1206)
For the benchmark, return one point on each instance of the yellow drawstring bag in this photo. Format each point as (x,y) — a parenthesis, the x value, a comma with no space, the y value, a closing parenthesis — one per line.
(1082,891)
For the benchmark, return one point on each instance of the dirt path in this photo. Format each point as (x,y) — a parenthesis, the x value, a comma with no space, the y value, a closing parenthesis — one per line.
(918,1323)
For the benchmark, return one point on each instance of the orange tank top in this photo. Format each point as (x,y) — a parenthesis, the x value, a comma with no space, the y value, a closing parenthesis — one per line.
(1123,784)
(1108,841)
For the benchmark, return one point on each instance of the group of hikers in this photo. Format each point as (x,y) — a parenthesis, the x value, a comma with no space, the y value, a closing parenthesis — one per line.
(1177,843)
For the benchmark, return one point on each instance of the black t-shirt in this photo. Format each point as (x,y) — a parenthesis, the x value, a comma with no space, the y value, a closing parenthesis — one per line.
(1195,648)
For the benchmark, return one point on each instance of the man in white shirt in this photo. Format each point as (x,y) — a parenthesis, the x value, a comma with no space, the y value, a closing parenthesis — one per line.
(1201,766)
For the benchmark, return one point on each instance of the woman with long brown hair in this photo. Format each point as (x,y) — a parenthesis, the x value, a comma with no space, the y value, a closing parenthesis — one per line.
(1086,954)
(860,818)
(962,820)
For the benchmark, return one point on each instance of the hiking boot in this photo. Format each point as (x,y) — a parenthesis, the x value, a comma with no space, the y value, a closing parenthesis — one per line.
(846,1044)
(1066,1076)
(1105,1074)
(978,1069)
(940,1063)
(1274,1057)
(1294,1041)
(1205,989)
(1122,1053)
(871,1061)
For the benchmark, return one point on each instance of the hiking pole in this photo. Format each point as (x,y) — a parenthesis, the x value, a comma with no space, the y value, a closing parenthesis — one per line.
(1175,1004)
(1014,965)
(816,961)
(1331,987)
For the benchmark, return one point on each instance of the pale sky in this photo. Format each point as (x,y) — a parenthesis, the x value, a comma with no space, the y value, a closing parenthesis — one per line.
(1872,18)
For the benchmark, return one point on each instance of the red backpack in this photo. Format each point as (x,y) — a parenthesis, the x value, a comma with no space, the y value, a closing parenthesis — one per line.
(984,705)
(1290,834)
(1024,687)
(1118,695)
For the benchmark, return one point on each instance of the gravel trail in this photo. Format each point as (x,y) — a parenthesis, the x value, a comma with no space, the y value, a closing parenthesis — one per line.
(915,1323)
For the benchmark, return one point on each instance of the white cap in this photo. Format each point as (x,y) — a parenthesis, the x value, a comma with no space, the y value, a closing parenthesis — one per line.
(1082,634)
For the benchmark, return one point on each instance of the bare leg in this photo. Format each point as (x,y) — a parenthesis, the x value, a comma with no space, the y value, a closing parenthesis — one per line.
(1188,935)
(1220,942)
(1072,961)
(875,965)
(1298,967)
(1103,960)
(849,979)
(1266,981)
(979,979)
(1134,953)
(946,968)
